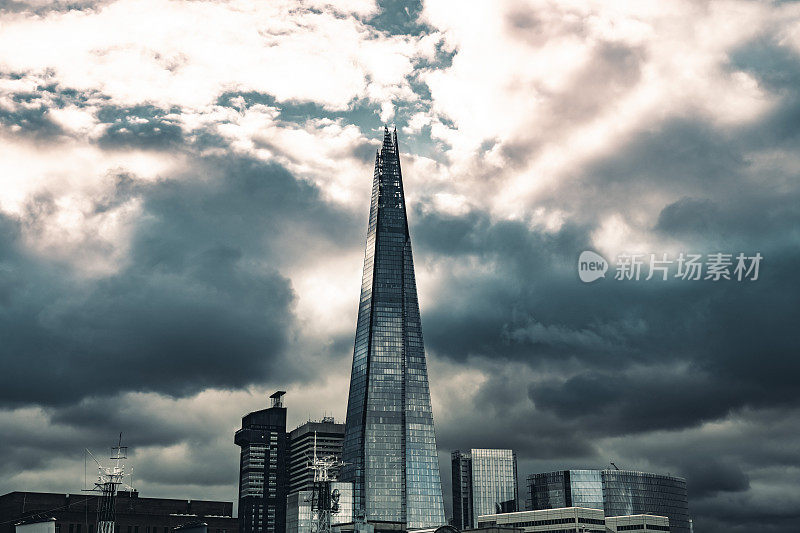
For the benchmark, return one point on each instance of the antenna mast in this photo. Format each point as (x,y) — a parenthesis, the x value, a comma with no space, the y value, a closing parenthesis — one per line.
(108,481)
(324,502)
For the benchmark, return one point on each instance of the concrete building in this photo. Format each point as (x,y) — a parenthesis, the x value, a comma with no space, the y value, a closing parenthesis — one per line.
(263,477)
(568,519)
(494,529)
(329,438)
(571,520)
(639,522)
(373,526)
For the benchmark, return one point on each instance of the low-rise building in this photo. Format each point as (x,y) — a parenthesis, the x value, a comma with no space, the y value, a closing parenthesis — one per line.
(571,520)
(77,513)
(638,523)
(576,519)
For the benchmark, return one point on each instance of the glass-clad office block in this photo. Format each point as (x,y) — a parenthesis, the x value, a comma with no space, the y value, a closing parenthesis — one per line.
(586,489)
(389,447)
(303,516)
(484,482)
(617,492)
(627,492)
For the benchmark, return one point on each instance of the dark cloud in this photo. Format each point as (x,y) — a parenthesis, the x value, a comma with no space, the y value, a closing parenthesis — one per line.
(198,302)
(33,122)
(42,8)
(650,361)
(398,17)
(28,113)
(140,127)
(694,378)
(688,215)
(712,476)
(775,66)
(625,402)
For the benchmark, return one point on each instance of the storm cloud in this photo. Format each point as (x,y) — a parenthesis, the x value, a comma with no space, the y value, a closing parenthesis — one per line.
(183,213)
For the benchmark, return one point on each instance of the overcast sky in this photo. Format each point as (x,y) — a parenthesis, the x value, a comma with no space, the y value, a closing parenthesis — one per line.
(184,201)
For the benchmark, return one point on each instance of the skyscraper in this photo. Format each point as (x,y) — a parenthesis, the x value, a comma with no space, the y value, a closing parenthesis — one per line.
(263,479)
(389,446)
(484,482)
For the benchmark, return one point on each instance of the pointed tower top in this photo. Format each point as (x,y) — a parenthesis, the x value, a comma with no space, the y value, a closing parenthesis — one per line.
(388,141)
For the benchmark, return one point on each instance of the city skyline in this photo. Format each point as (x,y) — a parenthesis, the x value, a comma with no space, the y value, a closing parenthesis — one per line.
(183,191)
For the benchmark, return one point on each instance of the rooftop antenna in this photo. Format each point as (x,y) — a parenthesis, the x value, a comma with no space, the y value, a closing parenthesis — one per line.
(324,501)
(109,479)
(615,466)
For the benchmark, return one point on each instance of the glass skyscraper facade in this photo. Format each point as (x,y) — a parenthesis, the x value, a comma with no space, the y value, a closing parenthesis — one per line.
(389,447)
(484,482)
(617,492)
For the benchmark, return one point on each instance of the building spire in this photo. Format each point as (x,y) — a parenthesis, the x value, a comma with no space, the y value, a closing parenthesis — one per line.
(388,143)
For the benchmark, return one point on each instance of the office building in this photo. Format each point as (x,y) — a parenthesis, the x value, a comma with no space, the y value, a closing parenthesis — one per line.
(639,523)
(484,482)
(329,436)
(263,477)
(389,446)
(77,513)
(568,519)
(571,520)
(616,492)
(302,509)
(495,529)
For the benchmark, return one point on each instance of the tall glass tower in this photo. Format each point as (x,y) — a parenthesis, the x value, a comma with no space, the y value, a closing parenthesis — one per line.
(389,446)
(484,482)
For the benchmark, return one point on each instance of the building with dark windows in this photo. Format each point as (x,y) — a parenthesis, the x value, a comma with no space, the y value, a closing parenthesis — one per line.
(389,446)
(77,513)
(263,476)
(329,436)
(617,492)
(484,482)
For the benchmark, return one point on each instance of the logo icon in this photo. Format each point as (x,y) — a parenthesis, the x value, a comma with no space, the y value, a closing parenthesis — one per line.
(591,266)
